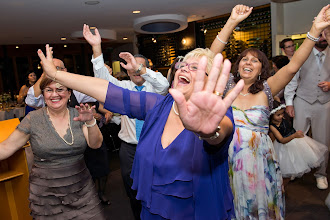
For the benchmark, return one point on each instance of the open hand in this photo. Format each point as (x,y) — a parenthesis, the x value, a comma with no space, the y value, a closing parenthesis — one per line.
(204,110)
(322,20)
(240,12)
(47,62)
(85,112)
(130,61)
(93,40)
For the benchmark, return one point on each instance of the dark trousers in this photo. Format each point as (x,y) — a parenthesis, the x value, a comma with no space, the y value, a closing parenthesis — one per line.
(126,157)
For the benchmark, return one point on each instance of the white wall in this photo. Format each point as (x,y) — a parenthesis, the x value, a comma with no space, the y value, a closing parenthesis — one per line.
(293,18)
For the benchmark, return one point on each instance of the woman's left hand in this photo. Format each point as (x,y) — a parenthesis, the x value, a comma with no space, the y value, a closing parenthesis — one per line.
(204,110)
(85,113)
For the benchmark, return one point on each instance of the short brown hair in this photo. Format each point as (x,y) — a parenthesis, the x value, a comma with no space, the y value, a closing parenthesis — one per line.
(282,43)
(45,82)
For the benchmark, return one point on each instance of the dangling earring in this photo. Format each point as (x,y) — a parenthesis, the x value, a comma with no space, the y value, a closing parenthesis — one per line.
(238,74)
(259,77)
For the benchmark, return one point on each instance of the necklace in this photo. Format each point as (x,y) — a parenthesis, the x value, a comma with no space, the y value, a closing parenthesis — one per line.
(177,113)
(242,94)
(72,137)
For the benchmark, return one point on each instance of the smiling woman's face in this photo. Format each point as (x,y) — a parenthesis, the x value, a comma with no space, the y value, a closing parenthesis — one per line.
(56,96)
(249,67)
(184,78)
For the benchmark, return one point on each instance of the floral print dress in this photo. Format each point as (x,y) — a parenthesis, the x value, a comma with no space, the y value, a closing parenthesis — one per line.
(254,171)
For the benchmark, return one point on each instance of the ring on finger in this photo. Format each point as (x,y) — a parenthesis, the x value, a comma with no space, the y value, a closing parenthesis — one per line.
(217,93)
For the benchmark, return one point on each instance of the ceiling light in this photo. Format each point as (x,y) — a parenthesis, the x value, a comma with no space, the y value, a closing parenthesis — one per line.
(63,38)
(92,2)
(160,24)
(65,45)
(136,12)
(125,38)
(17,47)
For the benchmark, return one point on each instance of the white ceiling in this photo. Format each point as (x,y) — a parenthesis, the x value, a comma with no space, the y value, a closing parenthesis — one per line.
(46,21)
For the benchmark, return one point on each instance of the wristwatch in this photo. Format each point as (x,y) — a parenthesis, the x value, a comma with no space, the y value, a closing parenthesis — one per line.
(139,69)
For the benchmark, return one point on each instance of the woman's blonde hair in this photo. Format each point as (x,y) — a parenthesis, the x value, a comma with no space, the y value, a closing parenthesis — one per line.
(199,53)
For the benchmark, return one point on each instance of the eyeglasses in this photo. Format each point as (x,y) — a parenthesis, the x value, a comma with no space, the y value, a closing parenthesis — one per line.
(290,46)
(191,66)
(58,91)
(59,68)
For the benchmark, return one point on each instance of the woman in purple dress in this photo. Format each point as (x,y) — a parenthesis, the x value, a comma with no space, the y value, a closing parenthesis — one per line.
(180,169)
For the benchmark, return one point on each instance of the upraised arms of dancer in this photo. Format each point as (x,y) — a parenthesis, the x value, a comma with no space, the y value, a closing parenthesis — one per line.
(286,73)
(202,113)
(238,14)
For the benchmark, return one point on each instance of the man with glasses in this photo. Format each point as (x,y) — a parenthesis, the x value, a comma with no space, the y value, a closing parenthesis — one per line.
(141,79)
(35,98)
(288,47)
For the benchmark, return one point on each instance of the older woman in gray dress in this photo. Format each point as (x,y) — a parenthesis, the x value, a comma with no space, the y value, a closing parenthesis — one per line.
(60,184)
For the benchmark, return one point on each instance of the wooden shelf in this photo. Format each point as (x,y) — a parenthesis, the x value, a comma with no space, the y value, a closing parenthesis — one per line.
(10,175)
(14,179)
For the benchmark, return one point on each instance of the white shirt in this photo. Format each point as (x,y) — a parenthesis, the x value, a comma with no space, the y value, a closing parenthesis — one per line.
(38,102)
(154,82)
(290,89)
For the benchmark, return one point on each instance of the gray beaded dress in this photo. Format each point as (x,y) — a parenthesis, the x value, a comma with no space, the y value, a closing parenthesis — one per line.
(61,186)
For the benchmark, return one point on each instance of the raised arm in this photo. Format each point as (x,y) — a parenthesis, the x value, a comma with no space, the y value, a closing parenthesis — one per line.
(91,131)
(36,86)
(91,86)
(156,79)
(93,40)
(286,73)
(238,14)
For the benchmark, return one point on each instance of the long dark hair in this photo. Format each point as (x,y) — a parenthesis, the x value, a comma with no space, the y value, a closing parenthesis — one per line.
(257,86)
(27,82)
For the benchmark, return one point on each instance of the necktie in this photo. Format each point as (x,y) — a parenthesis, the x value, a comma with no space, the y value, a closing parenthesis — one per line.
(320,56)
(138,123)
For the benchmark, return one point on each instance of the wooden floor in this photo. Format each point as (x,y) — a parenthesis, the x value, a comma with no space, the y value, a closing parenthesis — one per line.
(303,199)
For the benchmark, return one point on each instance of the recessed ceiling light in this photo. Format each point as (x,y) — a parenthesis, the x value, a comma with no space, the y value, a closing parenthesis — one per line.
(17,47)
(125,38)
(92,2)
(63,38)
(65,45)
(136,12)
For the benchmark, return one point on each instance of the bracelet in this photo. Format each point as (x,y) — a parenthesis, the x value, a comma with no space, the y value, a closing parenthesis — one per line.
(88,126)
(221,40)
(54,79)
(139,69)
(215,136)
(315,39)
